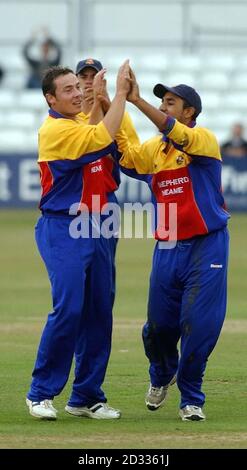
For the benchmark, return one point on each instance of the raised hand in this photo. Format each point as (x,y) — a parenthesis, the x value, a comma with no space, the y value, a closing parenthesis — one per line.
(123,79)
(134,94)
(99,84)
(99,91)
(88,95)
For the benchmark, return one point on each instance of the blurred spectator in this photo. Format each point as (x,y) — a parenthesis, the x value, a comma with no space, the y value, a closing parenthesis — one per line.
(1,73)
(237,145)
(41,52)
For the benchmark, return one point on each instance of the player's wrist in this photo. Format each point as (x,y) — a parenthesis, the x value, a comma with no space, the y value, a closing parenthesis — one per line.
(121,94)
(137,101)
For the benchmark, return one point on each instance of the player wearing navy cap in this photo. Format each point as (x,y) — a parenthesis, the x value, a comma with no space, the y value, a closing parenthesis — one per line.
(88,63)
(108,174)
(86,70)
(188,94)
(188,284)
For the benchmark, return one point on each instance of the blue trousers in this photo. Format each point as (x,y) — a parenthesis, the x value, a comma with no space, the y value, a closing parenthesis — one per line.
(81,358)
(111,243)
(80,273)
(113,248)
(187,301)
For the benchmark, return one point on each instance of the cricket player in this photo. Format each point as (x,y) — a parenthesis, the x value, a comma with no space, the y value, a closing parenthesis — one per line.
(79,268)
(86,70)
(188,283)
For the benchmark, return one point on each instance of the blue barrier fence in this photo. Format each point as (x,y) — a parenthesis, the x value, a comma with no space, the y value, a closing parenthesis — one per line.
(20,186)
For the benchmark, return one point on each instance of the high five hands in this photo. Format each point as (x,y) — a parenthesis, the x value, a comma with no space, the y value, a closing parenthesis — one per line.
(125,84)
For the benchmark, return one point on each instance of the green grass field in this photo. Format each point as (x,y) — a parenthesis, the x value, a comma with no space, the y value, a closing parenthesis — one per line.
(24,304)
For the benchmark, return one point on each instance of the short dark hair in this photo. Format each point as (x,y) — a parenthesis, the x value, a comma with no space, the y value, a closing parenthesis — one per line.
(48,81)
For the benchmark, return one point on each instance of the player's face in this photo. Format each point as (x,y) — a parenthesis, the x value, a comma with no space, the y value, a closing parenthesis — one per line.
(86,77)
(174,106)
(68,95)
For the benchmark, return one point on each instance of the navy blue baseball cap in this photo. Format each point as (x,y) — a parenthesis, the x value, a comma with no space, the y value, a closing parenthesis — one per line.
(94,64)
(185,92)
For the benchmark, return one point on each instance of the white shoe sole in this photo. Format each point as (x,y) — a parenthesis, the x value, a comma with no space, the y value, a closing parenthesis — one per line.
(48,418)
(89,414)
(51,416)
(192,417)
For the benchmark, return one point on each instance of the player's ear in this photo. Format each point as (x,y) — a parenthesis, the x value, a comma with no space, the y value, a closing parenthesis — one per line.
(51,99)
(189,112)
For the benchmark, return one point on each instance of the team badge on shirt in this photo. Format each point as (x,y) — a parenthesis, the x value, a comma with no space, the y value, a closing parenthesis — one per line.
(180,159)
(184,141)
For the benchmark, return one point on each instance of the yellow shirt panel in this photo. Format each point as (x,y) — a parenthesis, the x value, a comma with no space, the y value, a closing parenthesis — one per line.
(128,127)
(61,139)
(156,155)
(146,158)
(196,141)
(84,117)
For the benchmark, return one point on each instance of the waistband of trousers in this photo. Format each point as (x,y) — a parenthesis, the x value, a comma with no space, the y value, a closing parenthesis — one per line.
(192,239)
(58,215)
(66,215)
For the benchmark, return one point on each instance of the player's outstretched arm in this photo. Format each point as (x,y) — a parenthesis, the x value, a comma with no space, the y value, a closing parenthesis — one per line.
(114,116)
(155,115)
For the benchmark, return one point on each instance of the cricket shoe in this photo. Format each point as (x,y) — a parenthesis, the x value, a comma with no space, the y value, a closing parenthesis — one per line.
(156,396)
(97,411)
(191,413)
(42,409)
